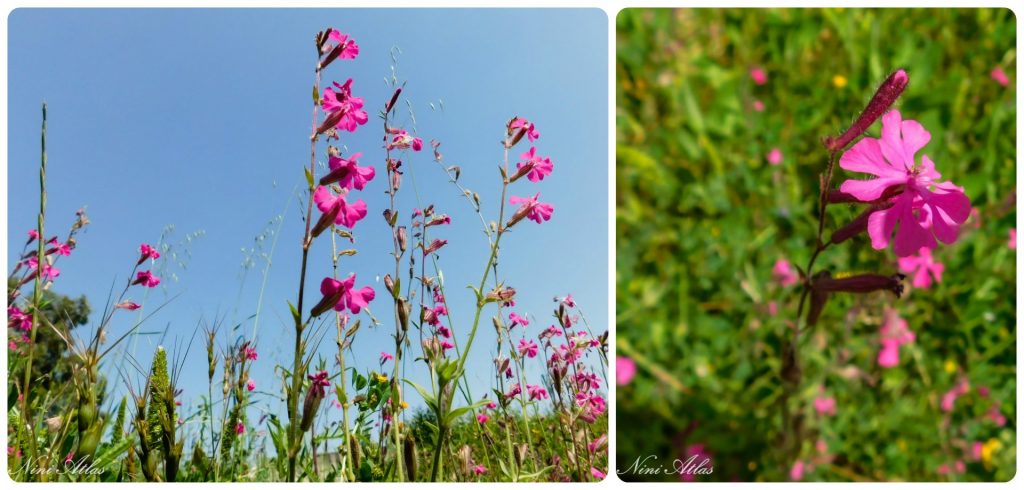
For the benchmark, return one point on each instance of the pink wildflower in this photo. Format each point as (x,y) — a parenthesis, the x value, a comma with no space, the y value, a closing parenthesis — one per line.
(147,252)
(923,267)
(1000,76)
(251,385)
(70,457)
(796,473)
(527,348)
(482,418)
(995,415)
(894,333)
(783,273)
(976,450)
(445,345)
(318,381)
(479,470)
(349,48)
(49,272)
(343,294)
(33,235)
(240,428)
(597,473)
(758,106)
(568,301)
(344,110)
(537,392)
(18,319)
(385,357)
(250,353)
(517,320)
(774,157)
(825,405)
(491,405)
(128,305)
(62,249)
(347,172)
(531,208)
(758,75)
(531,132)
(1013,239)
(625,370)
(146,278)
(444,331)
(926,209)
(434,246)
(346,214)
(402,140)
(537,167)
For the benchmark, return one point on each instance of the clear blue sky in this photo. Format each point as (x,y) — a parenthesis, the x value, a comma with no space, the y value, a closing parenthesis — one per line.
(200,119)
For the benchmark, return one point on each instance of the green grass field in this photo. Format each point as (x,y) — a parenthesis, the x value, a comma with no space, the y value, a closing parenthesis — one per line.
(702,218)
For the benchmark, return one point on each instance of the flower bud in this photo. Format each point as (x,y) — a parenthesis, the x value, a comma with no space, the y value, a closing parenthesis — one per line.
(394,98)
(501,294)
(864,283)
(402,238)
(325,221)
(409,454)
(884,97)
(389,283)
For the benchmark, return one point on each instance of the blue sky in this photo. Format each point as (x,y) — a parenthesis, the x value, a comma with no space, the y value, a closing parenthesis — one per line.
(200,120)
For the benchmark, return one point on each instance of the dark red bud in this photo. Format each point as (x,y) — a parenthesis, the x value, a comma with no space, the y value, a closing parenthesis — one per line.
(884,97)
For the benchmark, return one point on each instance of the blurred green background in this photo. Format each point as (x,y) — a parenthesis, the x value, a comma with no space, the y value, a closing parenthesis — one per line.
(702,218)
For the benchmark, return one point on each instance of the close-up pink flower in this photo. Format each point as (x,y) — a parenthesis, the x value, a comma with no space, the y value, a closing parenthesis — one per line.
(537,392)
(531,132)
(1000,76)
(147,252)
(825,405)
(515,319)
(531,208)
(1012,243)
(146,278)
(527,348)
(482,418)
(539,167)
(783,273)
(925,209)
(250,385)
(339,103)
(758,75)
(893,334)
(342,295)
(774,156)
(347,172)
(348,213)
(49,272)
(349,48)
(922,267)
(385,357)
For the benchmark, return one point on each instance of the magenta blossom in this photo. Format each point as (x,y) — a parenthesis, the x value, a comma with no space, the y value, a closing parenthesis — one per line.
(49,272)
(479,469)
(445,345)
(343,294)
(758,75)
(434,246)
(514,391)
(1000,76)
(349,48)
(537,392)
(240,428)
(347,173)
(343,109)
(482,418)
(444,331)
(625,370)
(146,278)
(18,319)
(923,268)
(491,405)
(385,357)
(127,305)
(774,157)
(517,320)
(318,381)
(796,473)
(347,214)
(530,208)
(527,348)
(1012,244)
(147,252)
(596,473)
(531,132)
(33,235)
(538,167)
(926,209)
(61,249)
(251,385)
(825,405)
(250,353)
(402,140)
(894,333)
(784,273)
(568,301)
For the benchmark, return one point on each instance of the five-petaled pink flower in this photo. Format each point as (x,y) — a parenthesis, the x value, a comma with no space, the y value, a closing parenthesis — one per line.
(482,418)
(385,357)
(783,273)
(349,48)
(33,235)
(758,75)
(531,132)
(318,381)
(517,320)
(146,278)
(925,209)
(530,208)
(568,301)
(147,252)
(348,214)
(344,294)
(1000,76)
(49,272)
(527,348)
(18,319)
(894,333)
(774,157)
(537,392)
(539,167)
(625,370)
(250,353)
(445,345)
(341,105)
(923,267)
(347,173)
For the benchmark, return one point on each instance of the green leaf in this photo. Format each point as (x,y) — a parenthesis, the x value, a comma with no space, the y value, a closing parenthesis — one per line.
(427,397)
(309,177)
(295,313)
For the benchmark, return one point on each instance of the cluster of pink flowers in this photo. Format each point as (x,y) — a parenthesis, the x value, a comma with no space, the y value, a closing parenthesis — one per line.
(535,168)
(146,278)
